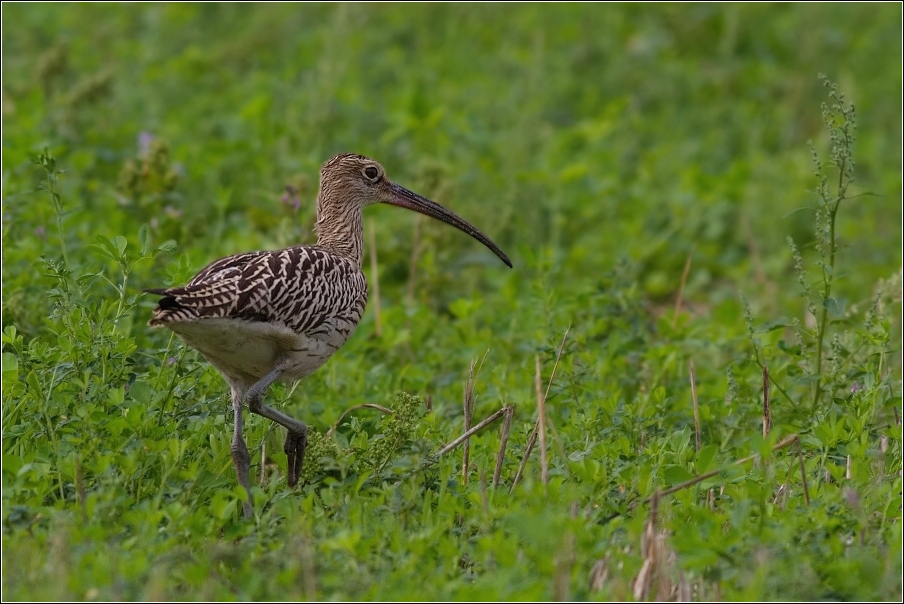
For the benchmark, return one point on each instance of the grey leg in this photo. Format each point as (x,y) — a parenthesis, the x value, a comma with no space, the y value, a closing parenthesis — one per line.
(241,459)
(297,437)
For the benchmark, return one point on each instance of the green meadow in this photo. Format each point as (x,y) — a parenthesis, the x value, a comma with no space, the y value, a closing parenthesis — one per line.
(702,203)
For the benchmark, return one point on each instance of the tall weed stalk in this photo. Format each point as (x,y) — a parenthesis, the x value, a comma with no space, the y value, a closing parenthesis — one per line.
(838,350)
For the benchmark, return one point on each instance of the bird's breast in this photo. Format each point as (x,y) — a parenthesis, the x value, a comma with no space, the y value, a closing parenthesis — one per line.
(245,351)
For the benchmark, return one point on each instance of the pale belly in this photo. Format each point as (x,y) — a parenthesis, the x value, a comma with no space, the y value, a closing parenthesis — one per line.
(245,351)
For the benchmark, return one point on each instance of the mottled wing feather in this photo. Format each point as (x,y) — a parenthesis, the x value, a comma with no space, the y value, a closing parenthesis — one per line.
(301,287)
(225,268)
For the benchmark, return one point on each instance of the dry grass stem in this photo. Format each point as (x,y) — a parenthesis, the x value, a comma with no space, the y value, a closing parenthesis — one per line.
(655,555)
(541,422)
(788,440)
(794,438)
(532,440)
(599,574)
(781,497)
(503,441)
(696,405)
(493,417)
(263,480)
(555,365)
(684,588)
(468,404)
(650,529)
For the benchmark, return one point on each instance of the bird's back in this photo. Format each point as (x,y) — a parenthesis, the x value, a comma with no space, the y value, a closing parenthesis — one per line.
(247,311)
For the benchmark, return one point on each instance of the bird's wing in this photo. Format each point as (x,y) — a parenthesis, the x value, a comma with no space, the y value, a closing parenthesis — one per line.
(299,286)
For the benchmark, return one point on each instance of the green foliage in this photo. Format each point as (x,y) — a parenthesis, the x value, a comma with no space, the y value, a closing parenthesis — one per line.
(367,455)
(849,370)
(604,148)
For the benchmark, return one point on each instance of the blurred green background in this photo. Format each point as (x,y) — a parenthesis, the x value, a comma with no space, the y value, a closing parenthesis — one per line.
(601,146)
(596,132)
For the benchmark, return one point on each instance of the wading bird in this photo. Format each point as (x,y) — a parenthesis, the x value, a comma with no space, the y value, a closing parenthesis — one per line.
(263,317)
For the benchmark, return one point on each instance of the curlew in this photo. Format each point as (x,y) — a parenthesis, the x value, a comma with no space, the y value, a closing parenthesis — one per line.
(263,317)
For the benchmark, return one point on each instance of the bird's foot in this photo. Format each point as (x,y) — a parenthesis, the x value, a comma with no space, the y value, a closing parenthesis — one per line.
(296,442)
(242,461)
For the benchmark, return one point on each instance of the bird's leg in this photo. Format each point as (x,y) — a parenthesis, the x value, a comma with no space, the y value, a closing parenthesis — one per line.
(297,437)
(241,459)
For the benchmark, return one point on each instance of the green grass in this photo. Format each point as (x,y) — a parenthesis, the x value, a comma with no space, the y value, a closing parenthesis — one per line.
(602,147)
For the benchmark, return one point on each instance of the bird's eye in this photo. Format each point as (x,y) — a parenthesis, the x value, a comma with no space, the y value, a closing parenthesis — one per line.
(371,172)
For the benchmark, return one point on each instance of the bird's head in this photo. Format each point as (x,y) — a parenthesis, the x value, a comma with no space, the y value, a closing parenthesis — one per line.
(357,181)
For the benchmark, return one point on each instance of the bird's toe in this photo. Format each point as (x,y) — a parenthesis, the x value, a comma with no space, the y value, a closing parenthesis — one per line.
(296,442)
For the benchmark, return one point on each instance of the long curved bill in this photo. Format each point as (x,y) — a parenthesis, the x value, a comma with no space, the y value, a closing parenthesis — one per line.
(400,196)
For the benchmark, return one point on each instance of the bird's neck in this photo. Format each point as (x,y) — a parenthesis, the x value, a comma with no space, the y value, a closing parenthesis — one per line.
(340,228)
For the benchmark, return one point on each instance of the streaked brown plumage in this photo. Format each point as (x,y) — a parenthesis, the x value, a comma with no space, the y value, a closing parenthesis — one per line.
(263,317)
